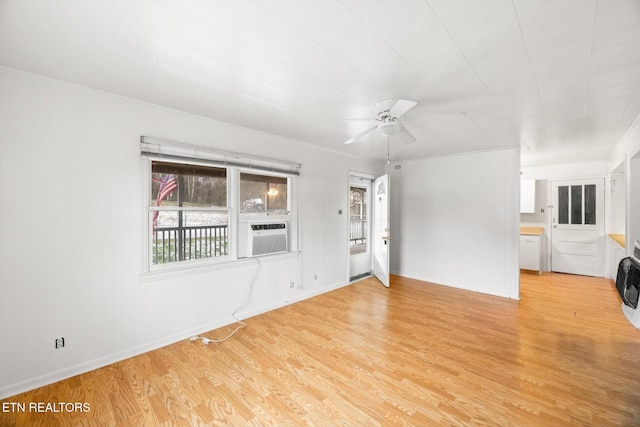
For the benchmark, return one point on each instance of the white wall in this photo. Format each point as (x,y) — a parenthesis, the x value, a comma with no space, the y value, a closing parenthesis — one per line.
(72,218)
(617,198)
(633,200)
(563,171)
(627,154)
(455,221)
(627,147)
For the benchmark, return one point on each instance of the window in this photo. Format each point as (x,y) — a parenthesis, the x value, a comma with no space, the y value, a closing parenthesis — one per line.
(590,204)
(263,193)
(203,204)
(188,213)
(563,204)
(577,204)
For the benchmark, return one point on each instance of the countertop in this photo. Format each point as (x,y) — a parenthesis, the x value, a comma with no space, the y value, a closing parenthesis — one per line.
(532,231)
(618,238)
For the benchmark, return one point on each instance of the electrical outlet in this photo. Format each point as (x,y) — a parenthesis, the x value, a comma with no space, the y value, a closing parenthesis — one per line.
(292,285)
(59,342)
(316,277)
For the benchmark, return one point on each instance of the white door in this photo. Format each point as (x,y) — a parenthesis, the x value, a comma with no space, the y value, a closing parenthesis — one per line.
(577,227)
(381,236)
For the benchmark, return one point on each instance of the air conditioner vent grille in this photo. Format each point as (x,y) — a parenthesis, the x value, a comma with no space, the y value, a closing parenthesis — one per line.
(263,245)
(256,227)
(265,239)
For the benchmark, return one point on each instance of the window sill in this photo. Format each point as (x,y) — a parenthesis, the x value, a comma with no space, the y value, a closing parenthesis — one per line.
(183,270)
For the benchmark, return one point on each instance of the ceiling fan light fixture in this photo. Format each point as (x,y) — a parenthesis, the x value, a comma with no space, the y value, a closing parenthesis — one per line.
(388,120)
(389,128)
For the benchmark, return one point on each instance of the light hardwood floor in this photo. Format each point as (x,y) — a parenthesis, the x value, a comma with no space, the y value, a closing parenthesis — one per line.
(414,354)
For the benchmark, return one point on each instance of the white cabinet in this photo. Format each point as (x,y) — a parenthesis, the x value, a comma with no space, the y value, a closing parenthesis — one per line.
(530,252)
(616,253)
(527,196)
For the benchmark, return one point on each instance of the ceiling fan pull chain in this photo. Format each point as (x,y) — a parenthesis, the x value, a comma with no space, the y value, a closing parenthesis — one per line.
(388,150)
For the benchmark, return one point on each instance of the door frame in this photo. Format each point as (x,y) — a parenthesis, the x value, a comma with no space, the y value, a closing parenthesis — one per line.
(369,178)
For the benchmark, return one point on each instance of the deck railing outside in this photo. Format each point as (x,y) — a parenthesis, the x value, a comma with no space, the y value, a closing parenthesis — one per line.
(357,231)
(172,244)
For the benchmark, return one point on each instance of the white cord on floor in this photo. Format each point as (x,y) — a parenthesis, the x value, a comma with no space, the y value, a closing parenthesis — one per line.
(241,325)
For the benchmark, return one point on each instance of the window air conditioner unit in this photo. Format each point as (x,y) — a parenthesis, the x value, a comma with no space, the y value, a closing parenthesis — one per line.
(265,239)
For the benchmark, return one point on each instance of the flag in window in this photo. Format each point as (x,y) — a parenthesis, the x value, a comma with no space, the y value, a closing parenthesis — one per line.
(167,186)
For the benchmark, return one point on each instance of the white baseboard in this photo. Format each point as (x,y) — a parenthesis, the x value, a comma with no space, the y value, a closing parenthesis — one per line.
(493,292)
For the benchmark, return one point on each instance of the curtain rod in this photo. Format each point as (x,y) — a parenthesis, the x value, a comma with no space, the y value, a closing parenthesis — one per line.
(185,152)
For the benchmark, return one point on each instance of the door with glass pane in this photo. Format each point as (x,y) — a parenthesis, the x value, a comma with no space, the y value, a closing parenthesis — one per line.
(577,227)
(381,234)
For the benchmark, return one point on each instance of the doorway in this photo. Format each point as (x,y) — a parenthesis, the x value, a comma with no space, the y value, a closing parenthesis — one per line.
(369,235)
(577,227)
(359,226)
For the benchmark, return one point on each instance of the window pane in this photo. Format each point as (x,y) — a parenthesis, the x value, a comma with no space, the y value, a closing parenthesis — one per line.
(164,190)
(563,204)
(181,235)
(263,193)
(358,224)
(165,218)
(590,204)
(358,202)
(576,204)
(174,184)
(184,235)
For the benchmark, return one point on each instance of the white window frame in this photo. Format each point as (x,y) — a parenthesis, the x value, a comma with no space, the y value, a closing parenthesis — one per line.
(245,219)
(150,266)
(236,218)
(266,215)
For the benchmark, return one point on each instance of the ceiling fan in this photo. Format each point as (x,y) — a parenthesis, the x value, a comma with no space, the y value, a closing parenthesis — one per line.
(388,120)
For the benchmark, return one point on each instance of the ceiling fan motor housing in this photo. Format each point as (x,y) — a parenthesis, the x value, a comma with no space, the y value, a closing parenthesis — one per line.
(388,118)
(389,127)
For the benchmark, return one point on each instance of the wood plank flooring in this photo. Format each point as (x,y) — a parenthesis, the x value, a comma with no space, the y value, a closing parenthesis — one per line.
(414,354)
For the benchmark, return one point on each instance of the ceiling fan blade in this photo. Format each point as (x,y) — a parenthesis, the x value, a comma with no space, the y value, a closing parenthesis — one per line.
(361,134)
(405,136)
(401,107)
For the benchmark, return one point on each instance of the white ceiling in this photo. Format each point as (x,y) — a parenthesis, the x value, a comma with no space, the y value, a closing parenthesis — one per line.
(560,78)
